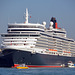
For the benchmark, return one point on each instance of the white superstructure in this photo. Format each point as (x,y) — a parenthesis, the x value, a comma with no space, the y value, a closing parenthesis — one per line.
(38,39)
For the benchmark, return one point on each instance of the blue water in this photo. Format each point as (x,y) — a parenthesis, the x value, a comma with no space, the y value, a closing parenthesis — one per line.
(39,71)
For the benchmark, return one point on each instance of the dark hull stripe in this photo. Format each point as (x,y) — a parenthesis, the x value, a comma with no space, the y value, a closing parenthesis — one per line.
(32,60)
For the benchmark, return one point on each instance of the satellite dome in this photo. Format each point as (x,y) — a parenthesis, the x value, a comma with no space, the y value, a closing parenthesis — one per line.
(44,23)
(51,23)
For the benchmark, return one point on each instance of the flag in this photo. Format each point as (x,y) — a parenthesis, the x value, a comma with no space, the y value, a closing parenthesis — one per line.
(30,16)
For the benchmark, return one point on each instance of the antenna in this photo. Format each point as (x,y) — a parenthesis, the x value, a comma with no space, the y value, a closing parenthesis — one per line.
(26,16)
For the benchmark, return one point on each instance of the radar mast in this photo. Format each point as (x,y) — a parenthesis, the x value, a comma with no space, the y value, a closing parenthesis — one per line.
(26,18)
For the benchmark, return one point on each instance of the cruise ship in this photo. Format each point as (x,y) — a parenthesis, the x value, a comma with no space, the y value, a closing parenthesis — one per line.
(35,45)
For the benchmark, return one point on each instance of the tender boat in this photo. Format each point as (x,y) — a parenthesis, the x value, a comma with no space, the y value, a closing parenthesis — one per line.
(22,66)
(71,65)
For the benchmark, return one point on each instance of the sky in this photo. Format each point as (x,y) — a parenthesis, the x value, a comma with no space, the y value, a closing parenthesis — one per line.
(12,11)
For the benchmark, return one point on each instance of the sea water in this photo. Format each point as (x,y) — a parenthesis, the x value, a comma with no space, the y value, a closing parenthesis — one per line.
(37,71)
